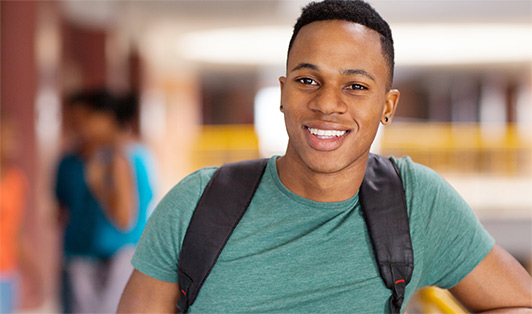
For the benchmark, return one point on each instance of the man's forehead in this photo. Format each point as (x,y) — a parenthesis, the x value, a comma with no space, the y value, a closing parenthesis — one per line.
(319,34)
(335,26)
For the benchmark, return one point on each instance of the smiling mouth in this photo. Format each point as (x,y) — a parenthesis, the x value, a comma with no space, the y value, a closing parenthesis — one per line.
(326,134)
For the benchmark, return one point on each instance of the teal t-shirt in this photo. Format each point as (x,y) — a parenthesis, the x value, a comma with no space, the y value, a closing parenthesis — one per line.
(291,254)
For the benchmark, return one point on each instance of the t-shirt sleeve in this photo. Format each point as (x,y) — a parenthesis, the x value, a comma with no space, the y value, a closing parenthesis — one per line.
(453,240)
(158,249)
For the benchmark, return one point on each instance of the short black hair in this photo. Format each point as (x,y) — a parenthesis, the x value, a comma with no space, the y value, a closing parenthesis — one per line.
(97,99)
(127,108)
(356,11)
(122,107)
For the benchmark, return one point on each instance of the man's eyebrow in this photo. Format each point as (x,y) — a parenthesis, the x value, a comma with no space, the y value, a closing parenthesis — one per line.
(358,72)
(306,66)
(345,72)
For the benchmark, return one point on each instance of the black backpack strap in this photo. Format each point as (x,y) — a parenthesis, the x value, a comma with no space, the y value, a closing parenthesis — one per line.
(383,202)
(221,206)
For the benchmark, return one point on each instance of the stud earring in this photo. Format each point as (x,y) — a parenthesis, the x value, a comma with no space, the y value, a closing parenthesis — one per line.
(386,119)
(281,107)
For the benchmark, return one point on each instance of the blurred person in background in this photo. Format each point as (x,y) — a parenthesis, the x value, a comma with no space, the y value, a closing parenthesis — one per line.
(104,189)
(16,257)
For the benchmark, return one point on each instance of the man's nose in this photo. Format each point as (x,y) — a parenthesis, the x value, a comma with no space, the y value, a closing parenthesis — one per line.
(328,100)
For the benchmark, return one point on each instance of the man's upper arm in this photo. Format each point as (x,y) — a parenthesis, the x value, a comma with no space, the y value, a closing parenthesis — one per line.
(144,294)
(498,282)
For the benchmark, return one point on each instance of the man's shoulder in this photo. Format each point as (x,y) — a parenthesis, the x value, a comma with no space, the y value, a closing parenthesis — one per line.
(201,177)
(406,164)
(189,189)
(187,192)
(413,173)
(425,189)
(197,178)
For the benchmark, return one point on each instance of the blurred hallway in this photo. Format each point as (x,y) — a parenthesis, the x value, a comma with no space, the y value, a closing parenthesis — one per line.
(205,69)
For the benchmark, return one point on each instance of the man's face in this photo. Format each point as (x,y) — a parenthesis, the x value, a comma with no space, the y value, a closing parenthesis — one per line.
(334,94)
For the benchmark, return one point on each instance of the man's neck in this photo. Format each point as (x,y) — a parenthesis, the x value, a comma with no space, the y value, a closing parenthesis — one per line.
(321,187)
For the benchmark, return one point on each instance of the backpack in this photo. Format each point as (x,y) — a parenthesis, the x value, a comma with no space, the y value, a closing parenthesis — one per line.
(230,191)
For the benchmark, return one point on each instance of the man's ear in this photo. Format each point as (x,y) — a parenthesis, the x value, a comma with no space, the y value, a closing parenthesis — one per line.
(392,99)
(282,80)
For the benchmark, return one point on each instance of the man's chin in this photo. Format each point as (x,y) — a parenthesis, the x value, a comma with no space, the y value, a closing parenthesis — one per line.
(330,163)
(327,166)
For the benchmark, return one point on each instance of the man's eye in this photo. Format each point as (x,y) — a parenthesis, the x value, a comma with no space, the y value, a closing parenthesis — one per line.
(307,81)
(357,87)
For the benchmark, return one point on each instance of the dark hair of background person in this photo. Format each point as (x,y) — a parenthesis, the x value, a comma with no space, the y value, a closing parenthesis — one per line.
(127,109)
(356,11)
(123,107)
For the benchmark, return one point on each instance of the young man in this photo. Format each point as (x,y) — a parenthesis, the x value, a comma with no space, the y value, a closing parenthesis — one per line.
(302,245)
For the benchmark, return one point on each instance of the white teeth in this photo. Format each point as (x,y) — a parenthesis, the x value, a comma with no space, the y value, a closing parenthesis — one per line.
(326,133)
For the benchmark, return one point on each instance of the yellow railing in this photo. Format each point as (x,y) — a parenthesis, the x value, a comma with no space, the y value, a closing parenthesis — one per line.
(219,144)
(462,147)
(434,300)
(465,148)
